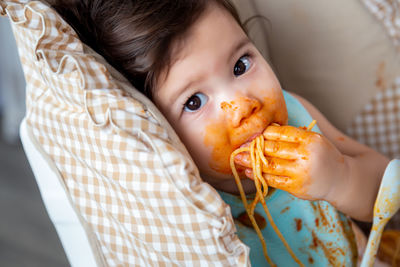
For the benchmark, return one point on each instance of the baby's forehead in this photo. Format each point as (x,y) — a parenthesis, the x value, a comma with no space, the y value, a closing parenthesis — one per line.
(175,52)
(207,49)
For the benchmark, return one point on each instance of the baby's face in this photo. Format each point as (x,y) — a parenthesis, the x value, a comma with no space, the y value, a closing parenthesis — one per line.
(219,93)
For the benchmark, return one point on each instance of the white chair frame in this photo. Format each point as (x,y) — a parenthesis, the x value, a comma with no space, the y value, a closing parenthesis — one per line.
(66,220)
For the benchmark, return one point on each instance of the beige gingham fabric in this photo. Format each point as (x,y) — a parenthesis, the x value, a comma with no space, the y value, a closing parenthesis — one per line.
(378,123)
(388,12)
(127,173)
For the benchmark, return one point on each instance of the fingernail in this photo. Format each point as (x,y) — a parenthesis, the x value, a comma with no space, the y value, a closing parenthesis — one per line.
(238,157)
(249,173)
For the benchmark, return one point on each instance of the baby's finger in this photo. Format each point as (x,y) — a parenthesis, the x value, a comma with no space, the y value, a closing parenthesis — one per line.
(285,133)
(249,173)
(281,167)
(243,159)
(279,182)
(283,150)
(288,184)
(275,166)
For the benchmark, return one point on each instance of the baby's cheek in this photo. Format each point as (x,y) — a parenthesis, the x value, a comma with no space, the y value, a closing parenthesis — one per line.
(221,148)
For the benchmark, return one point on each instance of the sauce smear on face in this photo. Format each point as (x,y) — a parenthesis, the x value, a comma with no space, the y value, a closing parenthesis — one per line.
(241,119)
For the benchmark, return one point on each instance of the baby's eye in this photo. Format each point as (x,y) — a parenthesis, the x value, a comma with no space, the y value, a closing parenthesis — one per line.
(195,102)
(242,65)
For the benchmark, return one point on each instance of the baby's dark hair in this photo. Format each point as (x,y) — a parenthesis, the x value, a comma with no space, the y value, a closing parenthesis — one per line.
(135,36)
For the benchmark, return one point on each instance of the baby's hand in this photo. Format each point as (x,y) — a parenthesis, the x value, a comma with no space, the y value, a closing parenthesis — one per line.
(301,162)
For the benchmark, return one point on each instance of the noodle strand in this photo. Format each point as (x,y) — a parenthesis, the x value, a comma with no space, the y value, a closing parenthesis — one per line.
(244,200)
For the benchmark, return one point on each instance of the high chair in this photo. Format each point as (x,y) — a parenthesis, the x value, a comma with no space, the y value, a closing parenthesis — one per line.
(118,184)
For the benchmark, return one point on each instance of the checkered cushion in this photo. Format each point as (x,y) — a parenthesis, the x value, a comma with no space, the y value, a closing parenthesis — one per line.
(378,125)
(387,11)
(125,169)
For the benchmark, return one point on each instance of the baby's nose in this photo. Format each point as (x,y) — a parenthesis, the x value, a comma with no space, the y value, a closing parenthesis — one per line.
(238,110)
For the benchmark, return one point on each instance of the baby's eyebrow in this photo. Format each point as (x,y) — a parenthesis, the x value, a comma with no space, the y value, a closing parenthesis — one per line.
(182,89)
(241,43)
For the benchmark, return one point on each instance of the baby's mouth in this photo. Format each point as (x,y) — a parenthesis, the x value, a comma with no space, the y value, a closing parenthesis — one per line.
(251,138)
(254,136)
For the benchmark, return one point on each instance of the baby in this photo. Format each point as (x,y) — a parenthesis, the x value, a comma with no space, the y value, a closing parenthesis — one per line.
(194,60)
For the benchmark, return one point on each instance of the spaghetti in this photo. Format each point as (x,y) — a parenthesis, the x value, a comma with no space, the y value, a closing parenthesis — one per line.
(258,160)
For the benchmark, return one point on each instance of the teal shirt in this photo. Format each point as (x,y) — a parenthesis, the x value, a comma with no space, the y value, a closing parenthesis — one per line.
(317,233)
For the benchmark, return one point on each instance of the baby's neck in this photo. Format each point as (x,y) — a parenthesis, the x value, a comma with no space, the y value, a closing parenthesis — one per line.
(230,186)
